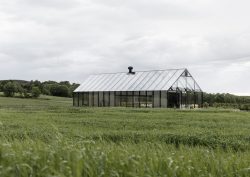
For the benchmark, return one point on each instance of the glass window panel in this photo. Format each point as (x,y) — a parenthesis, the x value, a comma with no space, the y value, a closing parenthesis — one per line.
(109,84)
(136,100)
(153,80)
(145,80)
(86,99)
(112,99)
(163,76)
(95,98)
(117,99)
(101,100)
(80,98)
(123,102)
(93,81)
(171,81)
(130,93)
(138,81)
(163,99)
(149,101)
(106,98)
(90,98)
(136,93)
(133,81)
(143,101)
(130,101)
(156,99)
(117,86)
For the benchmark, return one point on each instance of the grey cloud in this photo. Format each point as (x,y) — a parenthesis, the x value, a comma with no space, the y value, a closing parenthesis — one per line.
(67,40)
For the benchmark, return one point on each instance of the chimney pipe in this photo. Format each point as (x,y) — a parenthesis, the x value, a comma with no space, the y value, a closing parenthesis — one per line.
(130,70)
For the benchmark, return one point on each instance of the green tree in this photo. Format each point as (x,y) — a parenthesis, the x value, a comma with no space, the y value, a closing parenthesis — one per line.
(35,92)
(59,90)
(9,89)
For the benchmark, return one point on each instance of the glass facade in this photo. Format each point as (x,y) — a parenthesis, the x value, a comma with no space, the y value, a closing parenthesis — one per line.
(140,99)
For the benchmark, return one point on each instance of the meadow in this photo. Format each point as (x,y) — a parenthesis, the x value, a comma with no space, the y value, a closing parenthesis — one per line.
(49,137)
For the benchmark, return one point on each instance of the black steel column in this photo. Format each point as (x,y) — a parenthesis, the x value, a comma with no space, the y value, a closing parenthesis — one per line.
(109,98)
(133,99)
(82,98)
(202,99)
(160,98)
(126,98)
(194,100)
(153,99)
(139,99)
(103,99)
(181,99)
(98,99)
(78,99)
(120,95)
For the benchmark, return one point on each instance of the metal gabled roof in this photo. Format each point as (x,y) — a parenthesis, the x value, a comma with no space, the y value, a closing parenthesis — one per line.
(140,81)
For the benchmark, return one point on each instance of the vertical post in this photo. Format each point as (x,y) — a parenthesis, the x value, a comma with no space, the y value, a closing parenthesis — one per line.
(126,99)
(73,98)
(194,99)
(78,99)
(120,94)
(133,99)
(146,99)
(89,98)
(202,99)
(160,98)
(167,99)
(98,99)
(139,99)
(115,98)
(103,98)
(83,99)
(181,99)
(153,99)
(109,98)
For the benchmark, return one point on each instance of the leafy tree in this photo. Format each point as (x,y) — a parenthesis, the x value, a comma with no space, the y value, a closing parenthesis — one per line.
(35,92)
(59,90)
(9,89)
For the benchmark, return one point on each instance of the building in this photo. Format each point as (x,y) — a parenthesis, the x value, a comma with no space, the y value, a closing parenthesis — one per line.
(172,88)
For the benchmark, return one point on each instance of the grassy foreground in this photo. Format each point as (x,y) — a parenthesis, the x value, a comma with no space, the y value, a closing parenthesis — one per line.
(48,137)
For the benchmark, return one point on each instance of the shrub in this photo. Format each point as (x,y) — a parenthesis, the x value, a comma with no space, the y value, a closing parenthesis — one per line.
(59,90)
(205,105)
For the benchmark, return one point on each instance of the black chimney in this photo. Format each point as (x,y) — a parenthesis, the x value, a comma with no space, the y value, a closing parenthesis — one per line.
(130,70)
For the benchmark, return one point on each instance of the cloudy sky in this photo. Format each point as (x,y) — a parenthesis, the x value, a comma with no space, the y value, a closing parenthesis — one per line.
(70,39)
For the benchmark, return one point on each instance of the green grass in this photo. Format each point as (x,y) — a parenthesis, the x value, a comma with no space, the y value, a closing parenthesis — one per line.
(49,137)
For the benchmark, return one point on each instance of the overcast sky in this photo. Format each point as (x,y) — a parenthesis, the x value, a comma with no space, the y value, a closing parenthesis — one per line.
(70,39)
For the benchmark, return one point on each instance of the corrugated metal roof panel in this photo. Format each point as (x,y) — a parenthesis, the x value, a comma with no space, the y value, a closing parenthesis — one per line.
(140,81)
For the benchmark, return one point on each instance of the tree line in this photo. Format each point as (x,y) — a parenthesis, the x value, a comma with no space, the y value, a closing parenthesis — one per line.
(33,89)
(226,100)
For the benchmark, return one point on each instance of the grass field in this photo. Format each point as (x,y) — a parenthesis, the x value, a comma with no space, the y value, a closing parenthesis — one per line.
(48,137)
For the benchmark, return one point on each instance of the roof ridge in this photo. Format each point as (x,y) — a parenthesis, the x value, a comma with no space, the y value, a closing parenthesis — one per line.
(141,71)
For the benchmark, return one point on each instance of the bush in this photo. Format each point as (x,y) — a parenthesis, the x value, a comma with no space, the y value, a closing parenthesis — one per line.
(35,92)
(9,89)
(205,105)
(59,90)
